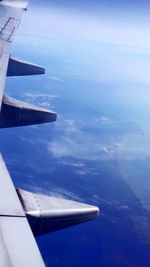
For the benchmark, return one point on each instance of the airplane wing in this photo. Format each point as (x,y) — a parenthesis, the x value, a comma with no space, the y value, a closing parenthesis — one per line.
(14,112)
(23,214)
(17,244)
(10,13)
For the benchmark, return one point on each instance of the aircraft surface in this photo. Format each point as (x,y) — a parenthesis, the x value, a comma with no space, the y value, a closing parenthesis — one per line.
(23,214)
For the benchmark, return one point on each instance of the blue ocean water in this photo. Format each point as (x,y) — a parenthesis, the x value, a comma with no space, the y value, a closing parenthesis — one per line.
(80,157)
(97,152)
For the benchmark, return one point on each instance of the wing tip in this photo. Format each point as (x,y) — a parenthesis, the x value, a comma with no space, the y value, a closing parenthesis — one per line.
(15,3)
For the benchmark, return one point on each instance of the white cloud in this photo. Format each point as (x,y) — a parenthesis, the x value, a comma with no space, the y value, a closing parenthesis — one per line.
(108,150)
(76,164)
(74,142)
(58,192)
(43,100)
(34,96)
(55,78)
(63,147)
(81,148)
(70,127)
(101,119)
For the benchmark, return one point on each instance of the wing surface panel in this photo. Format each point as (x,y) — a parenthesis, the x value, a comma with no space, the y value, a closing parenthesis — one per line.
(18,247)
(9,204)
(9,21)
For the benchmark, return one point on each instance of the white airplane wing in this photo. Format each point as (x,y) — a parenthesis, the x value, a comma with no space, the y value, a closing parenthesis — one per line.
(23,214)
(17,244)
(10,12)
(14,112)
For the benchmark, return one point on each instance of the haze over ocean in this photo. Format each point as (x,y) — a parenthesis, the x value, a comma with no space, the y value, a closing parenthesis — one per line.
(97,57)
